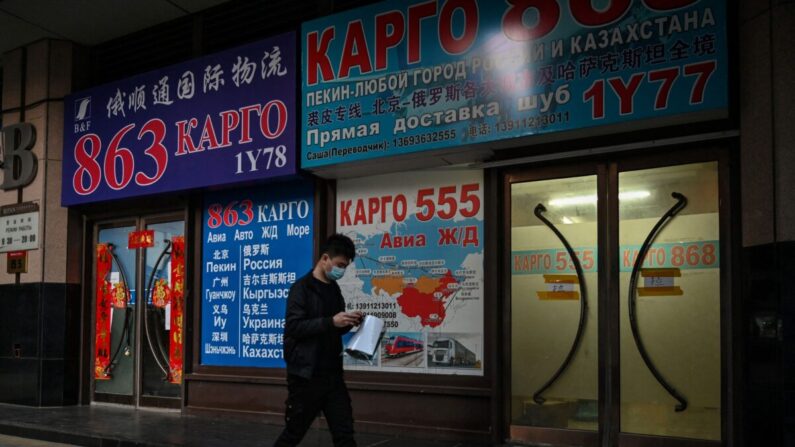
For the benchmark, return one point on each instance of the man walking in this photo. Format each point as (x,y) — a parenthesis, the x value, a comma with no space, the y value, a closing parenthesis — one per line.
(315,321)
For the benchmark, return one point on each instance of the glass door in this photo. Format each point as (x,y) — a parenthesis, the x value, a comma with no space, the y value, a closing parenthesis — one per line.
(115,322)
(139,297)
(163,280)
(554,321)
(669,234)
(637,249)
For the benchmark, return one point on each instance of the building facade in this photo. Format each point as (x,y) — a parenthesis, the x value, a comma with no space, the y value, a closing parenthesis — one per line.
(573,217)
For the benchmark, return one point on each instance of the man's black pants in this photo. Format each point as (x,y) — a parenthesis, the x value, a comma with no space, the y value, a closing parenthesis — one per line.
(308,397)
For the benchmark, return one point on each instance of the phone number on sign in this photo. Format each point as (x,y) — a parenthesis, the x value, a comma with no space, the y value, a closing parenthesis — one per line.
(430,137)
(372,306)
(533,122)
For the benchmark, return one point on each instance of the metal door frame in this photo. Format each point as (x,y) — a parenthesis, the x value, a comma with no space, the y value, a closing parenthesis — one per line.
(137,399)
(607,169)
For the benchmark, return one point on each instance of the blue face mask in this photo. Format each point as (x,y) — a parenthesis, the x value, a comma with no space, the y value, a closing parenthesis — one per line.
(336,273)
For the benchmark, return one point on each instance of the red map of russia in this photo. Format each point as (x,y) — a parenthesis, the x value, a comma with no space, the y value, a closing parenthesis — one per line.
(425,302)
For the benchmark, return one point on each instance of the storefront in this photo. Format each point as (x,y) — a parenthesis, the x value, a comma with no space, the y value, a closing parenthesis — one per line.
(545,198)
(568,289)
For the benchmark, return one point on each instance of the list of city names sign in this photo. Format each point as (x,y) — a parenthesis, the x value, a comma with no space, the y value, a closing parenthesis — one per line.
(256,243)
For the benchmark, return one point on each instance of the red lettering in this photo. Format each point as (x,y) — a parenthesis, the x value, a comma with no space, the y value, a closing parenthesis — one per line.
(157,151)
(317,56)
(596,94)
(360,218)
(245,127)
(445,199)
(345,213)
(373,206)
(87,164)
(449,42)
(214,219)
(703,71)
(693,257)
(208,135)
(229,122)
(535,261)
(385,201)
(399,208)
(354,52)
(667,76)
(265,119)
(586,14)
(513,25)
(416,14)
(468,196)
(425,202)
(448,236)
(626,92)
(122,154)
(384,40)
(385,241)
(471,236)
(248,212)
(184,141)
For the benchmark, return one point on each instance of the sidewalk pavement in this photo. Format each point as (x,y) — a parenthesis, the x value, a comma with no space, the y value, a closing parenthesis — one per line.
(13,441)
(111,426)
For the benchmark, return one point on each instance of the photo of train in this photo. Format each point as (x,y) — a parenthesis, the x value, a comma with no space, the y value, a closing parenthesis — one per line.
(399,346)
(449,352)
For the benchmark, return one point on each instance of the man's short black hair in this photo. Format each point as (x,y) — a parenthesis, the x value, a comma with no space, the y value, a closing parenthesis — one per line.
(339,245)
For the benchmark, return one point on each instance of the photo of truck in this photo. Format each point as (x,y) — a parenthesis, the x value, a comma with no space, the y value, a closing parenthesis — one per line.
(449,352)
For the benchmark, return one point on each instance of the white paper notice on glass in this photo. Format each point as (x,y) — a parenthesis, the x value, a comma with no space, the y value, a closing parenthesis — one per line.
(364,342)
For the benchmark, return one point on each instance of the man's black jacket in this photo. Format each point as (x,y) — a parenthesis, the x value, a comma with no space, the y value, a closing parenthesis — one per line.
(305,326)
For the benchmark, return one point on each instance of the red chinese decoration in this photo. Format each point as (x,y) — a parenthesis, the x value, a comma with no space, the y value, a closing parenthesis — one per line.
(141,239)
(103,303)
(119,295)
(177,305)
(161,294)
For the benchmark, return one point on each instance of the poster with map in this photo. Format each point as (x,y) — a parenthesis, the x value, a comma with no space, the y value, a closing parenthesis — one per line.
(418,266)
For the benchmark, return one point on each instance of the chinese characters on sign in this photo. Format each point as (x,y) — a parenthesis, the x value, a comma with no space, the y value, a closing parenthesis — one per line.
(221,119)
(141,239)
(256,243)
(398,77)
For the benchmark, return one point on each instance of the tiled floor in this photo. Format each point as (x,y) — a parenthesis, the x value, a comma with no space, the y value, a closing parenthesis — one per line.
(117,426)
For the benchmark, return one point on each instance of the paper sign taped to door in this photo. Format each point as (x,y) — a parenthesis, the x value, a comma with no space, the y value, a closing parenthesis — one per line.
(660,282)
(559,287)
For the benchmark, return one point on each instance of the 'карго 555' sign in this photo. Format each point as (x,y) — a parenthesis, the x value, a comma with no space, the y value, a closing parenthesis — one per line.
(219,119)
(407,76)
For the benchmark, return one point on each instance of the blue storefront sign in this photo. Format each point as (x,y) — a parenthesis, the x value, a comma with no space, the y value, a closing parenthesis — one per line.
(406,76)
(220,119)
(255,243)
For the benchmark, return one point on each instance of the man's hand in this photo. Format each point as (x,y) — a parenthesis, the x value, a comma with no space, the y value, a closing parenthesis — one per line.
(345,319)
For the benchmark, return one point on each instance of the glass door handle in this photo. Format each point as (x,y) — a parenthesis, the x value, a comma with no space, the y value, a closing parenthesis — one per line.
(161,349)
(681,203)
(537,396)
(125,334)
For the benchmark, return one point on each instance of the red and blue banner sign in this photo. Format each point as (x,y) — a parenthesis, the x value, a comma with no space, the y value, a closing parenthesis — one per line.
(406,76)
(220,119)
